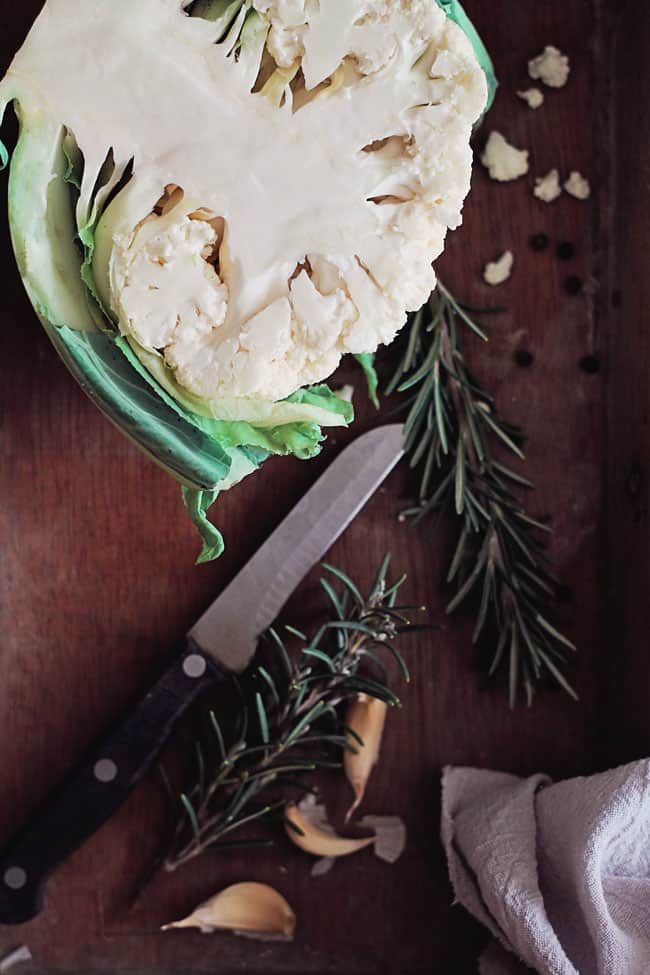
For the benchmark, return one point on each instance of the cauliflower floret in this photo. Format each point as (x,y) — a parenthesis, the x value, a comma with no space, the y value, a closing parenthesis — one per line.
(499,271)
(288,20)
(578,186)
(534,97)
(547,188)
(165,288)
(503,161)
(550,67)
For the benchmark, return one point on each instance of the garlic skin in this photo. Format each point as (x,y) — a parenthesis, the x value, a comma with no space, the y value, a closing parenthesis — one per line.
(15,957)
(320,841)
(322,867)
(366,717)
(391,836)
(247,908)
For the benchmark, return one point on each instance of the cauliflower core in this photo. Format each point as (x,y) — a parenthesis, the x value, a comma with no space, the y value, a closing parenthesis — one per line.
(317,154)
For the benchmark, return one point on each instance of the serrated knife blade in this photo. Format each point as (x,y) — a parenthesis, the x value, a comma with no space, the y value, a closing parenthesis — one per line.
(230,627)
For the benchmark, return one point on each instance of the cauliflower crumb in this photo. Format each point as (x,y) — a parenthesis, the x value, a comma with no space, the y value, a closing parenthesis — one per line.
(578,186)
(547,188)
(497,272)
(534,97)
(551,67)
(503,161)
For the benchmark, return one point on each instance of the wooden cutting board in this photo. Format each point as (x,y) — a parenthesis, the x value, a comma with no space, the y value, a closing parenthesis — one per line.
(98,579)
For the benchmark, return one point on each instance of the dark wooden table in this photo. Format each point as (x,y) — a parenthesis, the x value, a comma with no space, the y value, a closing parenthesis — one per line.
(97,576)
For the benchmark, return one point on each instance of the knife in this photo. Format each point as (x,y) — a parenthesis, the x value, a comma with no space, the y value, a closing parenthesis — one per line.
(220,643)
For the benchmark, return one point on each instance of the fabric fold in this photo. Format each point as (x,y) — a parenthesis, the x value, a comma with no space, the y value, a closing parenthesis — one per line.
(559,874)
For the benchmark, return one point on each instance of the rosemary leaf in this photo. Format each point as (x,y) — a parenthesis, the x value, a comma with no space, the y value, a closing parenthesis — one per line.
(270,683)
(217,730)
(320,655)
(191,815)
(263,720)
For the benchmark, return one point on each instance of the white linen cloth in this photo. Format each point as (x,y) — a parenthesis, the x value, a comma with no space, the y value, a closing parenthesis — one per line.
(558,873)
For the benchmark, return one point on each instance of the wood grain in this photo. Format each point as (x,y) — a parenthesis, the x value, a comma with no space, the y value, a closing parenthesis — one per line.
(625,731)
(97,576)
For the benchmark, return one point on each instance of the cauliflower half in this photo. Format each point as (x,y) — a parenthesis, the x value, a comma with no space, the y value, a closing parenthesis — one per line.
(211,202)
(295,167)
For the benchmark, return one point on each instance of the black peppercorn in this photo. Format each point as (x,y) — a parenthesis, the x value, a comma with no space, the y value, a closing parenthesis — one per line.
(573,285)
(539,242)
(590,364)
(524,358)
(565,251)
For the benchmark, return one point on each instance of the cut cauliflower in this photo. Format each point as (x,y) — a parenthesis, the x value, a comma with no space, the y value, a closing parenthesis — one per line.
(291,184)
(212,201)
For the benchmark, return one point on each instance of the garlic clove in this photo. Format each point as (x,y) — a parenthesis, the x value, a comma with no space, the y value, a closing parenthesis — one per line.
(317,840)
(366,717)
(249,908)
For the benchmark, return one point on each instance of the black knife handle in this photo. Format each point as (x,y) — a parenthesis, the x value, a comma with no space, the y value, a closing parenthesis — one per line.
(98,787)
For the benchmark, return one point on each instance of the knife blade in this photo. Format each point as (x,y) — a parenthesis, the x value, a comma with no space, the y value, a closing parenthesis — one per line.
(222,641)
(228,630)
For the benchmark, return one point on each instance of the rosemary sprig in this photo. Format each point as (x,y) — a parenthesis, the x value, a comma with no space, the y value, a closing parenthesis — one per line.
(290,721)
(499,563)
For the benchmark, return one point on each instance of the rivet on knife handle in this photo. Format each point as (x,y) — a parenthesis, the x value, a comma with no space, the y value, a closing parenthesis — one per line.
(98,787)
